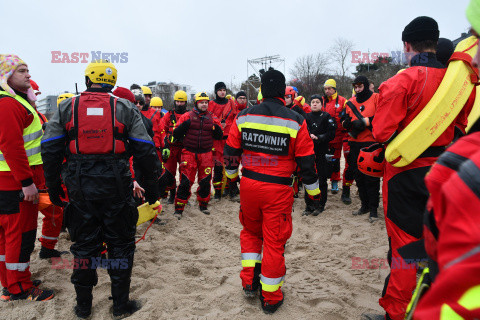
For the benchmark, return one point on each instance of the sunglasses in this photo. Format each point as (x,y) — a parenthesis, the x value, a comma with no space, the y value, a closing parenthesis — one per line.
(140,103)
(289,96)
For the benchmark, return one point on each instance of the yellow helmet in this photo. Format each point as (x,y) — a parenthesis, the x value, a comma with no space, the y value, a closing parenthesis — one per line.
(180,95)
(102,72)
(156,102)
(146,90)
(64,96)
(201,96)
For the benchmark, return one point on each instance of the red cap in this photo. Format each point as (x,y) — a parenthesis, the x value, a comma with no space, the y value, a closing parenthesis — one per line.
(34,85)
(124,93)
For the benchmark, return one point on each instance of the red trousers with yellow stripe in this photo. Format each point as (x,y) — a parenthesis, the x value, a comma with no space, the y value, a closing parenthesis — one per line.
(337,154)
(265,214)
(193,163)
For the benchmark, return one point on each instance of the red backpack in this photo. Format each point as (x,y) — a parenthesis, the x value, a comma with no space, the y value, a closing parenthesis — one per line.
(93,128)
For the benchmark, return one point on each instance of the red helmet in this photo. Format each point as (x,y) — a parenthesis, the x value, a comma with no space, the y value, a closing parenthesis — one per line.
(371,160)
(290,91)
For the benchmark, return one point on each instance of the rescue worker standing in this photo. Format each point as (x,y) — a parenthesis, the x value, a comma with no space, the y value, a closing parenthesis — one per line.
(358,118)
(147,92)
(270,140)
(322,128)
(197,128)
(402,98)
(20,171)
(171,148)
(222,108)
(451,234)
(334,104)
(240,104)
(96,132)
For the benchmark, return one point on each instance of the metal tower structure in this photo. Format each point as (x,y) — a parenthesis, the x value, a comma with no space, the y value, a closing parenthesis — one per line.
(258,66)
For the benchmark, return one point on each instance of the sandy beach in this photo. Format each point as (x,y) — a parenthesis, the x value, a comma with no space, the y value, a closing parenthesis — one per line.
(189,269)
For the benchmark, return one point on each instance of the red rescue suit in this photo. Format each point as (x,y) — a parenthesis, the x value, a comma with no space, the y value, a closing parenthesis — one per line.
(402,98)
(222,109)
(334,105)
(155,116)
(52,215)
(167,124)
(198,131)
(18,220)
(269,140)
(452,233)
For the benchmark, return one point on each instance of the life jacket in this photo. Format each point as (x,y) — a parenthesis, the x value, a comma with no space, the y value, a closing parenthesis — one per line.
(367,110)
(32,135)
(335,107)
(93,128)
(199,137)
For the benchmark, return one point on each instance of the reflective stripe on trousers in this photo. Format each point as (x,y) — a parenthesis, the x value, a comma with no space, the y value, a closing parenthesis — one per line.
(49,238)
(249,259)
(17,266)
(271,284)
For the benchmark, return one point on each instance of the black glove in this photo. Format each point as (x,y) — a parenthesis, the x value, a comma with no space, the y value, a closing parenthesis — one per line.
(55,193)
(358,125)
(151,191)
(347,123)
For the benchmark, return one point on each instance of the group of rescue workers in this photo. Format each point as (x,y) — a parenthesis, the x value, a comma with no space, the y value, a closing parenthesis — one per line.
(106,151)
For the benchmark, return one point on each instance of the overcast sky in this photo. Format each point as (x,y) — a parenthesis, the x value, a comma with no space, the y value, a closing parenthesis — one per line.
(202,42)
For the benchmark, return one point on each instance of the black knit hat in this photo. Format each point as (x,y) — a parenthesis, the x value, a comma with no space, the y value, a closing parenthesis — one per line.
(240,94)
(444,50)
(273,84)
(421,29)
(361,79)
(219,86)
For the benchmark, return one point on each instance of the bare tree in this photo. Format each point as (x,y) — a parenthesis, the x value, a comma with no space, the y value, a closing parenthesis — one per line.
(309,72)
(339,54)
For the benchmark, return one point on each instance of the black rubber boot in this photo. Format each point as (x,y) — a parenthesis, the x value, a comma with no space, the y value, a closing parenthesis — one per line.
(126,309)
(318,211)
(218,194)
(234,192)
(270,308)
(46,253)
(204,208)
(373,216)
(83,309)
(122,306)
(346,195)
(171,199)
(361,211)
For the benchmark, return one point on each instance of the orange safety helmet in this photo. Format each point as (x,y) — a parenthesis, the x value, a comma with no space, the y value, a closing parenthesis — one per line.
(290,91)
(371,160)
